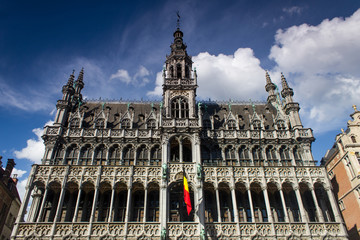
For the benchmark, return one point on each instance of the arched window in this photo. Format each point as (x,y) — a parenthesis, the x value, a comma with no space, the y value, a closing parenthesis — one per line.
(100,155)
(257,156)
(59,155)
(178,71)
(205,155)
(128,155)
(230,157)
(353,139)
(86,155)
(171,71)
(174,150)
(297,156)
(100,123)
(187,152)
(125,124)
(231,125)
(271,156)
(256,125)
(151,124)
(114,155)
(75,123)
(155,157)
(142,156)
(179,108)
(187,72)
(244,156)
(216,155)
(71,155)
(285,156)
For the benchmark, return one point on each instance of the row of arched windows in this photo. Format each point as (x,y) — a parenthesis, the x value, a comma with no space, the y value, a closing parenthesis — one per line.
(178,72)
(257,155)
(115,155)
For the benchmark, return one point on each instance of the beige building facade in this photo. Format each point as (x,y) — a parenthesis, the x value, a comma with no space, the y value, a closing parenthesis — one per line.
(114,170)
(342,163)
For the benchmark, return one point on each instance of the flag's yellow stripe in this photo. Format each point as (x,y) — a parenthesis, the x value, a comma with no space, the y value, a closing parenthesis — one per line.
(186,187)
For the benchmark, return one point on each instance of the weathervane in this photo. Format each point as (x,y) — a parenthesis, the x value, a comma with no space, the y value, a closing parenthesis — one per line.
(178,19)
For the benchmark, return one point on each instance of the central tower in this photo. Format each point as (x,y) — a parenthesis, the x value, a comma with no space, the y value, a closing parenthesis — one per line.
(179,88)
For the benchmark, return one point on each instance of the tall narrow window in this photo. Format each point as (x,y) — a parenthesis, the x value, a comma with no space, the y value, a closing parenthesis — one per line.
(230,156)
(142,156)
(179,108)
(257,156)
(85,155)
(187,72)
(155,157)
(257,125)
(125,124)
(271,156)
(178,71)
(114,155)
(100,155)
(171,71)
(244,156)
(75,123)
(285,156)
(71,155)
(128,155)
(297,156)
(231,125)
(353,139)
(100,123)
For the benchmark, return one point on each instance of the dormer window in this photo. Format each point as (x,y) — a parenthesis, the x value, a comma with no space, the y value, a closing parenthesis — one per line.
(75,123)
(151,124)
(179,108)
(257,125)
(125,124)
(353,139)
(100,123)
(281,125)
(231,125)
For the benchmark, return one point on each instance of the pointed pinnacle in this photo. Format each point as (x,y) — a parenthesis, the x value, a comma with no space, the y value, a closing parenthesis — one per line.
(284,82)
(71,79)
(81,75)
(268,79)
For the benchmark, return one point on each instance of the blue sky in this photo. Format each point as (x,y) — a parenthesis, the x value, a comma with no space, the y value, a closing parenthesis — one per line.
(122,46)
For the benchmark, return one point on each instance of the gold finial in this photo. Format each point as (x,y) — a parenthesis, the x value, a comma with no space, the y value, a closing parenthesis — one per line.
(342,130)
(354,107)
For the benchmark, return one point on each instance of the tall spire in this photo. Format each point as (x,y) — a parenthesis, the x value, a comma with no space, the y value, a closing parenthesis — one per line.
(284,82)
(286,92)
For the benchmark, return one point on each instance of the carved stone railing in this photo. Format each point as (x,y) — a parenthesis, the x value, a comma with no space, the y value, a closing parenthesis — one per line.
(188,81)
(114,133)
(52,130)
(180,123)
(182,230)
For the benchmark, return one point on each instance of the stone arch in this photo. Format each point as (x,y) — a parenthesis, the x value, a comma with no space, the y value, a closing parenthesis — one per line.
(179,107)
(271,157)
(137,202)
(258,200)
(276,206)
(72,154)
(244,158)
(324,202)
(242,202)
(177,208)
(69,202)
(114,154)
(128,154)
(155,155)
(51,201)
(142,155)
(308,201)
(86,201)
(120,202)
(226,204)
(152,202)
(102,209)
(211,213)
(230,155)
(86,154)
(100,154)
(291,202)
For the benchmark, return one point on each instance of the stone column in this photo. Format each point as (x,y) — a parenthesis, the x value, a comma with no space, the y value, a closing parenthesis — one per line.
(218,203)
(111,204)
(235,208)
(94,203)
(301,206)
(334,206)
(181,151)
(25,202)
(251,204)
(77,204)
(128,204)
(145,203)
(284,205)
(318,210)
(41,211)
(60,203)
(267,203)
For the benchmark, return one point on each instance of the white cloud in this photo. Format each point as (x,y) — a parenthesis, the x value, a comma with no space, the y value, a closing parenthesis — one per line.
(292,10)
(18,172)
(322,66)
(223,77)
(139,78)
(34,150)
(122,75)
(21,188)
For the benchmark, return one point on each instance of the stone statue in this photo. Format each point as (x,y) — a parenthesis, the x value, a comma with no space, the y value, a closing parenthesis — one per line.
(199,171)
(202,234)
(163,233)
(164,170)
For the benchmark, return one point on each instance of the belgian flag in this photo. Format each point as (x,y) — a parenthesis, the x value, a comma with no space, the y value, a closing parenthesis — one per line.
(187,195)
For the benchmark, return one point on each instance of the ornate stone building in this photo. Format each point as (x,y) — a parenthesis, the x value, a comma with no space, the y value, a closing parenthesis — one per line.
(114,170)
(342,163)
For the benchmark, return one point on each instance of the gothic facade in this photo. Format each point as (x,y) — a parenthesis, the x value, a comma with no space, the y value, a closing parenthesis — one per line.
(114,170)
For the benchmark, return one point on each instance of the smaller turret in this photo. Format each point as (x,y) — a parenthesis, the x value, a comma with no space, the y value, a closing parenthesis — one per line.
(68,88)
(286,92)
(79,85)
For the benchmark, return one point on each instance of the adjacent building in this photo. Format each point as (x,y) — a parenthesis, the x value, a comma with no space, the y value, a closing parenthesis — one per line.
(115,169)
(9,199)
(342,163)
